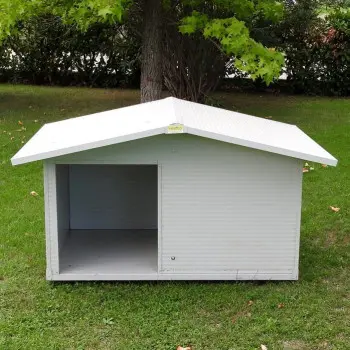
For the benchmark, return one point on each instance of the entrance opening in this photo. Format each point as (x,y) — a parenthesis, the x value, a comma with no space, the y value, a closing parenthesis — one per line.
(107,219)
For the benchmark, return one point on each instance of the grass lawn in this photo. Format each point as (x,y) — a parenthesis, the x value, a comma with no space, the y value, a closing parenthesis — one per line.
(35,314)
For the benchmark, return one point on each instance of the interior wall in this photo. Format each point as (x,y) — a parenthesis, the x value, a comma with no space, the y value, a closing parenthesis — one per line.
(113,196)
(62,181)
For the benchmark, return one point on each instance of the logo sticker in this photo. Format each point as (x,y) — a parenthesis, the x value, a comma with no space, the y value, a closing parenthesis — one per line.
(175,129)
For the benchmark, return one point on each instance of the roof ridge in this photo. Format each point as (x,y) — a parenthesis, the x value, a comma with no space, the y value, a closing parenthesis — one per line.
(173,100)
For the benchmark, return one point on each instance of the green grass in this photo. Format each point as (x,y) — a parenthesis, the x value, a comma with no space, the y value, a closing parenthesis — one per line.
(35,314)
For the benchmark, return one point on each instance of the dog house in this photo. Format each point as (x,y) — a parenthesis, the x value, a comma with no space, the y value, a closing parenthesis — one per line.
(172,190)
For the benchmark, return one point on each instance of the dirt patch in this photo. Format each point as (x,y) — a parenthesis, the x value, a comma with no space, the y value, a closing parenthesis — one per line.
(331,239)
(323,345)
(346,240)
(294,345)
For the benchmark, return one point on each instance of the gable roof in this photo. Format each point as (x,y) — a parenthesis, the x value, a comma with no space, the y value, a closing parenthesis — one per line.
(153,118)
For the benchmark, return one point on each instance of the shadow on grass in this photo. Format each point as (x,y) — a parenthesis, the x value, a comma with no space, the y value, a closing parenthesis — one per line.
(319,262)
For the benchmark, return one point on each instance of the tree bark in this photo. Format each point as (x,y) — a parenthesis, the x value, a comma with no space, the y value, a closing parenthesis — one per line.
(151,60)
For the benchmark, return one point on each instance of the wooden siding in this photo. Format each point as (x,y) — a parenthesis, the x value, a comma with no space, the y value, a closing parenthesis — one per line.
(226,210)
(63,204)
(51,222)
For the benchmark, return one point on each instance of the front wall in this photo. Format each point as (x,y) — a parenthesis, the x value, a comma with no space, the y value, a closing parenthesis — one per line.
(225,209)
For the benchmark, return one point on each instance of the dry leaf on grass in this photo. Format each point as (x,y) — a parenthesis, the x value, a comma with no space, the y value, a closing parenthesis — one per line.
(20,123)
(250,302)
(280,305)
(263,347)
(34,194)
(21,129)
(181,348)
(307,168)
(335,209)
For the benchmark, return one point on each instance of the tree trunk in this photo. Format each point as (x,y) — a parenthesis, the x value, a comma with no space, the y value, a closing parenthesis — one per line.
(151,64)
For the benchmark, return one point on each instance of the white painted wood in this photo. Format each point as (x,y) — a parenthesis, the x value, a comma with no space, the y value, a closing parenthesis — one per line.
(113,197)
(52,245)
(159,195)
(297,237)
(150,119)
(63,203)
(226,209)
(168,277)
(227,212)
(47,204)
(96,252)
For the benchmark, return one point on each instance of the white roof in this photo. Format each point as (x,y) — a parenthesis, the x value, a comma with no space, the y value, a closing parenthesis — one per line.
(153,118)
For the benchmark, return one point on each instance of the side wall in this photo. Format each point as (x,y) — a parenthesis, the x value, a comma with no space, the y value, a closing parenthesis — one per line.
(63,206)
(225,210)
(56,186)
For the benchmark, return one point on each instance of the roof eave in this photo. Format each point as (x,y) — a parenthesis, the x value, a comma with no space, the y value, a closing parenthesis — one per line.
(18,160)
(263,147)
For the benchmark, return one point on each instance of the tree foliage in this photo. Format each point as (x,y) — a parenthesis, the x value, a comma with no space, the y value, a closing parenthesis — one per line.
(193,65)
(233,35)
(314,36)
(226,25)
(317,47)
(43,50)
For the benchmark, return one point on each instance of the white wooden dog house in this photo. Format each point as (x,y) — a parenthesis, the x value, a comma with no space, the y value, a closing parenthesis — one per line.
(172,190)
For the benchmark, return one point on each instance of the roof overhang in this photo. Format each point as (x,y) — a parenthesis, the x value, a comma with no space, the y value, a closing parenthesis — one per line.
(154,118)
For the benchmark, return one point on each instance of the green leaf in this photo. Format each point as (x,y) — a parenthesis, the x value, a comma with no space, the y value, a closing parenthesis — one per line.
(104,12)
